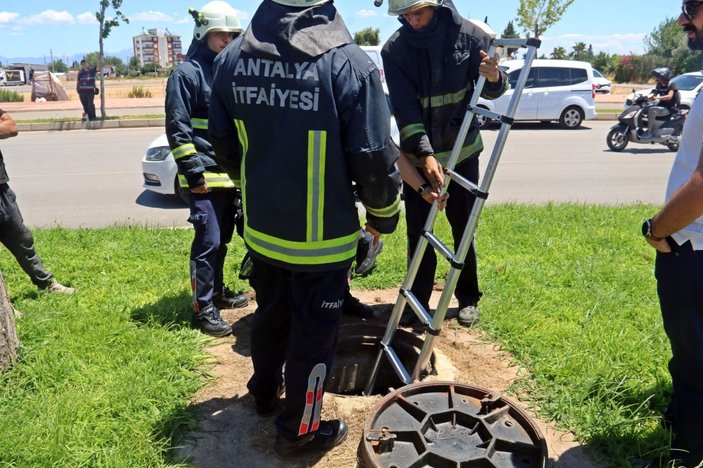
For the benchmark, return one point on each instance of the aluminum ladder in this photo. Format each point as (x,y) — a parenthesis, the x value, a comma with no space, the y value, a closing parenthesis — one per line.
(433,324)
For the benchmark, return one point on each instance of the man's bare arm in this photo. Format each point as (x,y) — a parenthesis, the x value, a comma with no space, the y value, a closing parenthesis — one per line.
(8,127)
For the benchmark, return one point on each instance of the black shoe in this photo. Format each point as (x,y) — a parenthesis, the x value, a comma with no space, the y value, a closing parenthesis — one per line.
(268,407)
(330,434)
(468,315)
(356,308)
(229,300)
(211,323)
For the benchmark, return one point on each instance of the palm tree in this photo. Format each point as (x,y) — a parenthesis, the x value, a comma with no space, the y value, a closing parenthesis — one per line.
(558,53)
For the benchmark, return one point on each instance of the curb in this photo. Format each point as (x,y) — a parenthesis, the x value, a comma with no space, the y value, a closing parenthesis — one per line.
(135,123)
(95,125)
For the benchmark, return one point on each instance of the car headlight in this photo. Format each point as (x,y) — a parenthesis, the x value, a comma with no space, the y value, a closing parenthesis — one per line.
(157,154)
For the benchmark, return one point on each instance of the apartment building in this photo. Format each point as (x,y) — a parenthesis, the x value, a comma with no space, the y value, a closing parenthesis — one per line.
(158,46)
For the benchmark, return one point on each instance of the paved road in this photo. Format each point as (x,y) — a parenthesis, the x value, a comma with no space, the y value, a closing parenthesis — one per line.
(93,178)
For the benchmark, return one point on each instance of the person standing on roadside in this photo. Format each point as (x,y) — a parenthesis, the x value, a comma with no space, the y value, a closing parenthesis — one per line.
(431,65)
(298,111)
(676,232)
(85,87)
(212,194)
(14,235)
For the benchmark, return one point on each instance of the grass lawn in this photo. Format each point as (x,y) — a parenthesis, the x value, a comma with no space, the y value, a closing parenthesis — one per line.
(106,375)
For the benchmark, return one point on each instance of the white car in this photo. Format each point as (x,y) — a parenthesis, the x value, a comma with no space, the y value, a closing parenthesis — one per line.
(561,90)
(688,84)
(160,171)
(602,83)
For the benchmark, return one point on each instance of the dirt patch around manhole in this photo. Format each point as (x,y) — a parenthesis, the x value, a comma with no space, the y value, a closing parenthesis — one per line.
(230,433)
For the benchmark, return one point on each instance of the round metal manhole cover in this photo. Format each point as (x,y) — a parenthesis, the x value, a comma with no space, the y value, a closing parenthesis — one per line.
(446,424)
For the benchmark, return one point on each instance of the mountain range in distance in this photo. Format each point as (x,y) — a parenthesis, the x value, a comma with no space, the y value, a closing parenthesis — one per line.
(125,55)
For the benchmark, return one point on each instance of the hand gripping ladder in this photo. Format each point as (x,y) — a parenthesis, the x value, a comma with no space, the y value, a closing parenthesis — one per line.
(433,324)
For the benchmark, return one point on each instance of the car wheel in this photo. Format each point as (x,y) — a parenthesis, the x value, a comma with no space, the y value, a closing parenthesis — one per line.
(571,117)
(617,139)
(673,147)
(483,121)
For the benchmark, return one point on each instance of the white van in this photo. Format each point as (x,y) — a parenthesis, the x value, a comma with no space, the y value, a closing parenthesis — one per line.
(374,52)
(561,90)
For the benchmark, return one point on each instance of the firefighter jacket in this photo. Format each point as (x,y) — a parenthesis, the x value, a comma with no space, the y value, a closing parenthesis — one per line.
(300,111)
(431,76)
(187,102)
(85,81)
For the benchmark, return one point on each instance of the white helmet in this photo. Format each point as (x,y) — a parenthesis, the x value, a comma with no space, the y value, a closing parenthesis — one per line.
(214,17)
(300,3)
(400,7)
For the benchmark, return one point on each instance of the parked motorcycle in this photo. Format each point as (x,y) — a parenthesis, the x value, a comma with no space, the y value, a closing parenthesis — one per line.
(632,125)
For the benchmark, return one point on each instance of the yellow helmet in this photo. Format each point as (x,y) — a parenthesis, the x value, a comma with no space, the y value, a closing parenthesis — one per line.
(214,17)
(400,7)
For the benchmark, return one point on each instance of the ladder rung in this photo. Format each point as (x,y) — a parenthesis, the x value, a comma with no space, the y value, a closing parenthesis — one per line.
(467,184)
(516,42)
(418,308)
(478,110)
(396,364)
(442,248)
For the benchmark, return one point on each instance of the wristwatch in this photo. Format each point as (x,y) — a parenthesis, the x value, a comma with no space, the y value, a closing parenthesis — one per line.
(421,189)
(647,231)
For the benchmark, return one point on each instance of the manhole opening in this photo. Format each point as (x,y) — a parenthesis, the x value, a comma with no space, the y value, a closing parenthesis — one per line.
(357,351)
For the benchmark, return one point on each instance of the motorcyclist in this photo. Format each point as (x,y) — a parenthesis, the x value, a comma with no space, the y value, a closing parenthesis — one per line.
(668,97)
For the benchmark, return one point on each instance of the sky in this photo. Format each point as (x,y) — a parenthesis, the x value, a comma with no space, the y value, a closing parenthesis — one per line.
(60,29)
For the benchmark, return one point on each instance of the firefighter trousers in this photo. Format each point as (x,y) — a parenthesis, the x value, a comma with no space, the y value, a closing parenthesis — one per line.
(212,216)
(296,323)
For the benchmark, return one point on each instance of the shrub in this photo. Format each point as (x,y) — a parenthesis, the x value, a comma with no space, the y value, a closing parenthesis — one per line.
(139,92)
(10,96)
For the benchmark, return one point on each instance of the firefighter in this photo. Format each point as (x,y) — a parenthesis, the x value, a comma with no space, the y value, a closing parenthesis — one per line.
(431,64)
(299,109)
(212,195)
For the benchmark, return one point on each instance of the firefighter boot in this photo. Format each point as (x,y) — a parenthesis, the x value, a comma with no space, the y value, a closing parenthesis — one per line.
(229,300)
(211,322)
(330,434)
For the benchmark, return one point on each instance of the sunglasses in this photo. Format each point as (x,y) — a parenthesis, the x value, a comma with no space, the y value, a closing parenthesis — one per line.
(689,9)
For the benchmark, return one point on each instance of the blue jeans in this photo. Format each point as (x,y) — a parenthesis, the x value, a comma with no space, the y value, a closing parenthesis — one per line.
(18,239)
(680,287)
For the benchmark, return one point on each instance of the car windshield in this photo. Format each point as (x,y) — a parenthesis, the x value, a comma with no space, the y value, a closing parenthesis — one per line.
(597,74)
(687,82)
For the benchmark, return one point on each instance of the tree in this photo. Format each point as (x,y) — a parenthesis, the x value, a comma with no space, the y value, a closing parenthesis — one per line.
(536,16)
(579,52)
(559,53)
(368,37)
(9,343)
(664,40)
(106,25)
(57,66)
(510,33)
